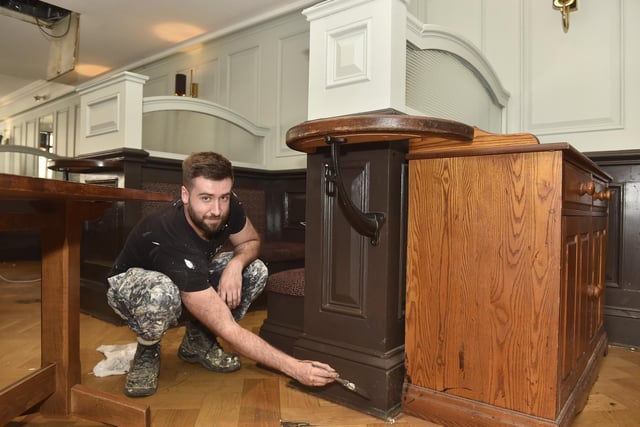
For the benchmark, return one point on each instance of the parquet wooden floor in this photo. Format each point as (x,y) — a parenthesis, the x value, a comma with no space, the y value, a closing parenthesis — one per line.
(190,396)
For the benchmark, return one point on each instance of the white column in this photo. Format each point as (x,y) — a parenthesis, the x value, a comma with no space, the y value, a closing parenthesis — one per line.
(111,114)
(357,57)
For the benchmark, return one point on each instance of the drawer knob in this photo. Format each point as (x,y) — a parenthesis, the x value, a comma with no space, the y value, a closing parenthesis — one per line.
(587,188)
(603,195)
(594,290)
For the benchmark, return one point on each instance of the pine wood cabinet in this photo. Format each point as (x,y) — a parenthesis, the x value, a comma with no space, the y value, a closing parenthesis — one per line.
(505,284)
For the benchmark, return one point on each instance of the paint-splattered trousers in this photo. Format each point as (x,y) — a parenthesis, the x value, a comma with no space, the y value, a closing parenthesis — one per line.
(150,302)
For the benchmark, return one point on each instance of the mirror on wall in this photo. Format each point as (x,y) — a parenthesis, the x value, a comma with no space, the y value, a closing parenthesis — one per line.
(45,132)
(45,143)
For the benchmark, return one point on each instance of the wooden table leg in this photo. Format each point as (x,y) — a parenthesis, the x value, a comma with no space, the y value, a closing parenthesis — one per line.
(60,245)
(61,324)
(105,408)
(58,209)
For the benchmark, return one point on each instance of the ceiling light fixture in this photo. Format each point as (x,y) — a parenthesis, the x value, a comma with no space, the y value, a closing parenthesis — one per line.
(33,11)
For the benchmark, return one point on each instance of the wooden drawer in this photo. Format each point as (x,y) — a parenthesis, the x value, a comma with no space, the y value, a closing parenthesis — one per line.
(602,195)
(579,188)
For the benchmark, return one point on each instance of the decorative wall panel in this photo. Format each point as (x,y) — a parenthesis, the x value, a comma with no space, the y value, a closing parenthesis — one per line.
(585,94)
(103,116)
(293,87)
(348,51)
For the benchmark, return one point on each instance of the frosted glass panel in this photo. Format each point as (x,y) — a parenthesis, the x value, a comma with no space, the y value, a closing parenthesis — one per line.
(185,132)
(441,84)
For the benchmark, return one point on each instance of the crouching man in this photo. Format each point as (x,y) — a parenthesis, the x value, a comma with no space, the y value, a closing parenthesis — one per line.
(172,259)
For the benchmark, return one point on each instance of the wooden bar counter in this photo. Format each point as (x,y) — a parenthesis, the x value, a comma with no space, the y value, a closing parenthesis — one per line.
(57,209)
(501,322)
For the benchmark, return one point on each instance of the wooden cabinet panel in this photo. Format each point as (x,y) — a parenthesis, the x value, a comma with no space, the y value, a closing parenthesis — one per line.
(505,271)
(573,300)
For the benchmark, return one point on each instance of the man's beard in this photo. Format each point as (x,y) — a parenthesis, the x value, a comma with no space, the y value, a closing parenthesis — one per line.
(209,230)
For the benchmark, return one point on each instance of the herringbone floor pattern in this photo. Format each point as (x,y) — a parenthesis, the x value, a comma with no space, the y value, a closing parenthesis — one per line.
(190,396)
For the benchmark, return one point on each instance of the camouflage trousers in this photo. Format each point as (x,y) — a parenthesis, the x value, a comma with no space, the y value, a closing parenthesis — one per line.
(150,302)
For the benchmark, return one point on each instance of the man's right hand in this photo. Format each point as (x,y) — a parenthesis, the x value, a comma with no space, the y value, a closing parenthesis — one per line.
(314,373)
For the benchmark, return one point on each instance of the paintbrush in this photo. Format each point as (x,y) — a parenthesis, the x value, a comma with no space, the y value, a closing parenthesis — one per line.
(349,385)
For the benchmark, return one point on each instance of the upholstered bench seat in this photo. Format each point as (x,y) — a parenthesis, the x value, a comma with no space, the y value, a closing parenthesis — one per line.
(288,282)
(285,309)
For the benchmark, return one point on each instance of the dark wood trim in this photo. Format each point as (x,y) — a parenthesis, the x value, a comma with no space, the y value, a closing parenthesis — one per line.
(623,157)
(622,295)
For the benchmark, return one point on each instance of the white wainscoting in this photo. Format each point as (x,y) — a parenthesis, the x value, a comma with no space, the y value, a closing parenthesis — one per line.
(582,86)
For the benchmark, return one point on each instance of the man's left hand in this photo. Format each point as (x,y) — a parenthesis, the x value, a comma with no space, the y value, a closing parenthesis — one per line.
(230,286)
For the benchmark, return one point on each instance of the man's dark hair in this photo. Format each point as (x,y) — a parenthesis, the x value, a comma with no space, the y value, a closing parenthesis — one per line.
(207,164)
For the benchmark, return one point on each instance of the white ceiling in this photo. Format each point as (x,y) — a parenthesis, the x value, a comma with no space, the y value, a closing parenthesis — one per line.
(117,33)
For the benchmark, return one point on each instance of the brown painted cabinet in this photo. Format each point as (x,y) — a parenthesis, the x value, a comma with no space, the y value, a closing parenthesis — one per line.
(506,250)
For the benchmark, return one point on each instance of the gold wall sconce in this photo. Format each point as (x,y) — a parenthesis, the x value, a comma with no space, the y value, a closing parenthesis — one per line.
(193,87)
(565,7)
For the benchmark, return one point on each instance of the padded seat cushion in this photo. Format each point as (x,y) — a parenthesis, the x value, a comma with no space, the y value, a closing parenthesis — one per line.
(287,282)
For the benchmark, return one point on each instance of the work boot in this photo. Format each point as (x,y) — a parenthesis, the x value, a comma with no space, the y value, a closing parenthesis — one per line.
(199,347)
(142,379)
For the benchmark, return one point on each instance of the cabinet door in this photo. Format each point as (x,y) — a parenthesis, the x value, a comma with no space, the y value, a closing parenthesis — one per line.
(574,298)
(596,286)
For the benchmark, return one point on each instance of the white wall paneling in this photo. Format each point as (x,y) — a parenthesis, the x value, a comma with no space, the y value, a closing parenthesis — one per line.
(357,56)
(258,74)
(503,49)
(60,132)
(466,17)
(293,56)
(102,116)
(243,95)
(581,86)
(24,130)
(449,77)
(159,85)
(111,113)
(199,125)
(73,129)
(348,54)
(573,81)
(206,75)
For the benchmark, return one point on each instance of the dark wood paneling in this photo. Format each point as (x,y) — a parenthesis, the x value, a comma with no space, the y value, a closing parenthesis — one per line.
(275,203)
(354,291)
(622,296)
